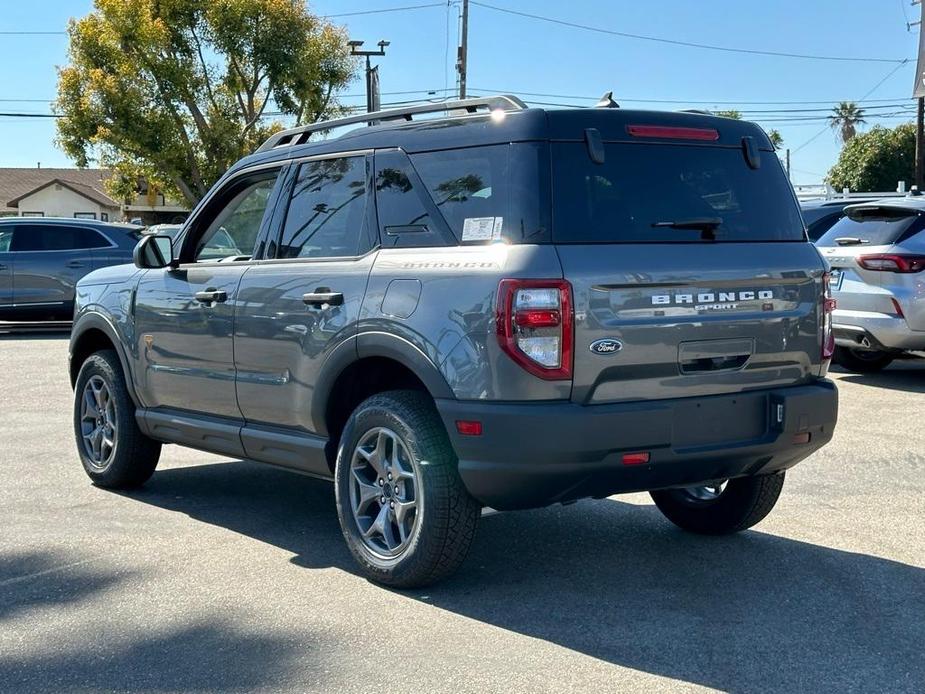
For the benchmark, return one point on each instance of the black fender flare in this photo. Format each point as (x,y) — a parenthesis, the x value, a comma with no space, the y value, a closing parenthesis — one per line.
(97,321)
(375,344)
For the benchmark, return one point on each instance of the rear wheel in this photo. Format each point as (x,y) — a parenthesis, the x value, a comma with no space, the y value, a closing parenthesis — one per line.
(404,512)
(722,507)
(114,452)
(861,360)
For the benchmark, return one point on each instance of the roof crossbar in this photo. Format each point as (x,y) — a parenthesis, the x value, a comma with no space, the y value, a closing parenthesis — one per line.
(299,135)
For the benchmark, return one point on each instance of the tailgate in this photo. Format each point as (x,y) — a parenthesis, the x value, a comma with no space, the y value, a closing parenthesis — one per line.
(676,320)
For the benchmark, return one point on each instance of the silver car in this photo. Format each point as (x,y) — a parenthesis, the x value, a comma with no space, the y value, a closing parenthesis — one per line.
(877,255)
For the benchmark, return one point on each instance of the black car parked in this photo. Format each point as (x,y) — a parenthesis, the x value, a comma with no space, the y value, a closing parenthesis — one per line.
(821,215)
(41,260)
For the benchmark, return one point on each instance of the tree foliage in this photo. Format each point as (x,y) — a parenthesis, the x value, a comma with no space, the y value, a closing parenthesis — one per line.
(876,160)
(178,90)
(845,119)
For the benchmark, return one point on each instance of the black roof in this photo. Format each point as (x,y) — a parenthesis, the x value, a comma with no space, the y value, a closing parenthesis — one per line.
(71,221)
(531,124)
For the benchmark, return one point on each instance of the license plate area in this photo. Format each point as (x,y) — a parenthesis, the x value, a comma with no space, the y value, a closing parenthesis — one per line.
(720,421)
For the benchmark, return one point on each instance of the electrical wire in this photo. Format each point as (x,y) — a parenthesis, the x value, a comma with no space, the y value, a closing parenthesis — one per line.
(688,44)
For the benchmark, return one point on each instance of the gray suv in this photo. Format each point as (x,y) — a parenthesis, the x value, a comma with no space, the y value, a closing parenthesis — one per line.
(500,306)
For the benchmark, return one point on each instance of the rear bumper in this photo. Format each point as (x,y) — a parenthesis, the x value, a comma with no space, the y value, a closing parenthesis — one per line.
(883,331)
(535,454)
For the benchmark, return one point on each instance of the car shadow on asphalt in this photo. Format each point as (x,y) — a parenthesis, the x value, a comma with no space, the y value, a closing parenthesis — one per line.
(906,376)
(617,582)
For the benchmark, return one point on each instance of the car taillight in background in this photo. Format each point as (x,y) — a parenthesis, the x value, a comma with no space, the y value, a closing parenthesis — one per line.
(893,262)
(828,306)
(535,325)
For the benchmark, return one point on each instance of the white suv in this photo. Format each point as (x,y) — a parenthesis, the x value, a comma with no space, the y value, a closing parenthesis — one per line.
(877,255)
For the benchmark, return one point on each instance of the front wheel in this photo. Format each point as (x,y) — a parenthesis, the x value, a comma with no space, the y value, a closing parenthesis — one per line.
(114,452)
(863,361)
(404,512)
(723,507)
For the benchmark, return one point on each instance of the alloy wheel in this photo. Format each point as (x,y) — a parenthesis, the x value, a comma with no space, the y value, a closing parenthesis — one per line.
(385,494)
(98,422)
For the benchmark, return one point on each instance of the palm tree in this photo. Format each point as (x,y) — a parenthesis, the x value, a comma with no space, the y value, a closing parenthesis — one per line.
(845,118)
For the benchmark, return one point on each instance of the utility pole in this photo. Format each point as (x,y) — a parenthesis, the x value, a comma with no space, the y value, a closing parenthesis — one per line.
(787,159)
(462,54)
(373,102)
(918,92)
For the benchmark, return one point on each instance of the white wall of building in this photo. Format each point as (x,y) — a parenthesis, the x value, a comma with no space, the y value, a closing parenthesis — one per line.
(58,201)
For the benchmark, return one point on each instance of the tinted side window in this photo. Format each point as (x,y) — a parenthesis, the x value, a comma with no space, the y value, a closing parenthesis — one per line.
(34,237)
(404,219)
(489,193)
(327,213)
(88,238)
(6,235)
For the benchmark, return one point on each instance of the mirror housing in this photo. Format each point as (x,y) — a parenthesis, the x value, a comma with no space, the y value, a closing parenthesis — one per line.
(154,252)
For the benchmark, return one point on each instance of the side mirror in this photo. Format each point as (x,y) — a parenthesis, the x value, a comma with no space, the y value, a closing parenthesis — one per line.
(154,252)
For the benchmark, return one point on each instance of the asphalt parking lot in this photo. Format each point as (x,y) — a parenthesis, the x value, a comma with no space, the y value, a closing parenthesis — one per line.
(232,576)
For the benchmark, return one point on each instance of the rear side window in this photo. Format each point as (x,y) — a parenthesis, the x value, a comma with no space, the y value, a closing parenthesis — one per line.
(35,237)
(6,235)
(642,189)
(489,193)
(872,227)
(88,238)
(327,215)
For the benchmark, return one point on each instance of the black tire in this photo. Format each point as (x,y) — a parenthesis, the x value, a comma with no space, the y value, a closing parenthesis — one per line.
(862,361)
(444,529)
(133,456)
(741,504)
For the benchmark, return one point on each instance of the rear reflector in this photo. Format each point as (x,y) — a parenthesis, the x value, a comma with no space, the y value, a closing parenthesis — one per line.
(898,308)
(706,134)
(640,458)
(801,438)
(469,427)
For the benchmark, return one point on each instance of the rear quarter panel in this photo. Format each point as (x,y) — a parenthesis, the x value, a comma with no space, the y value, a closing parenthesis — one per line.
(453,320)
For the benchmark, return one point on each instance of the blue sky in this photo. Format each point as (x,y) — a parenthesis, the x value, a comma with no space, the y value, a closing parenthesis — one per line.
(518,54)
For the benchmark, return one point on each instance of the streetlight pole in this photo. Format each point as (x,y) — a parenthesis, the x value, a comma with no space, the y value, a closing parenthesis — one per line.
(373,102)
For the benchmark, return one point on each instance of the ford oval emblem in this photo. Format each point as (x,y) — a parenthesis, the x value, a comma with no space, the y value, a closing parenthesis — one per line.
(608,345)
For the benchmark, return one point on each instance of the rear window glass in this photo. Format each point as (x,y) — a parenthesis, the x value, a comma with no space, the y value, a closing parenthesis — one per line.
(872,227)
(488,193)
(640,191)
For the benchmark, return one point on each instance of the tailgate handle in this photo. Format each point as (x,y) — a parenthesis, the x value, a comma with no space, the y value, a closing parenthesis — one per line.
(706,364)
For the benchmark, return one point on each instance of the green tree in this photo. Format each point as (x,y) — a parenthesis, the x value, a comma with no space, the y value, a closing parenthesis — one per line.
(845,119)
(729,113)
(777,140)
(876,160)
(178,90)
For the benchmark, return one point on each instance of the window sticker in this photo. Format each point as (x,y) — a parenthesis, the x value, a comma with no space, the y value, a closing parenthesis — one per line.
(482,228)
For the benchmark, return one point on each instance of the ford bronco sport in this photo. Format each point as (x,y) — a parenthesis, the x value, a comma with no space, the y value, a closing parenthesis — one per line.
(500,306)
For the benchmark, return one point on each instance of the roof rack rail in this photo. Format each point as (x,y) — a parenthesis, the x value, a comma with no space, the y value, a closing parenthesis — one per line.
(299,135)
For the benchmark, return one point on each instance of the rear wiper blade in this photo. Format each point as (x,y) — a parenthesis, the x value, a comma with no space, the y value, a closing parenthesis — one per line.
(706,225)
(850,241)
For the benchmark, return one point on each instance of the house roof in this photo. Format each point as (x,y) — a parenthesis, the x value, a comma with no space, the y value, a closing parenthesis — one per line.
(16,184)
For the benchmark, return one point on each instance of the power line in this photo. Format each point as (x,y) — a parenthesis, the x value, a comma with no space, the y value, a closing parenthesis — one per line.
(869,92)
(737,102)
(326,16)
(688,44)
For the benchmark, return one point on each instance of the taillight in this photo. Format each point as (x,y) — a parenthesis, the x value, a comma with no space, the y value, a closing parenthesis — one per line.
(893,262)
(535,325)
(828,306)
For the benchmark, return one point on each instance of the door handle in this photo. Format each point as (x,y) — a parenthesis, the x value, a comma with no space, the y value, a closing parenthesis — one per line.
(323,296)
(212,296)
(76,263)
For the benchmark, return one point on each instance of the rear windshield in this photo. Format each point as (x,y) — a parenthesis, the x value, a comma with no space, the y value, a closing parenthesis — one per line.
(650,192)
(489,193)
(871,227)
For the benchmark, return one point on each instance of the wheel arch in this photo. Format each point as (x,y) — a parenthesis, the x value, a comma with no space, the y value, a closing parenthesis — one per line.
(92,333)
(368,364)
